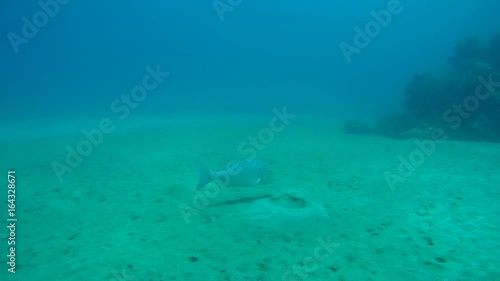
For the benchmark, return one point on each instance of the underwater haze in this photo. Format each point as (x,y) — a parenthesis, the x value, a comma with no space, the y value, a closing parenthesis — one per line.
(250,140)
(247,58)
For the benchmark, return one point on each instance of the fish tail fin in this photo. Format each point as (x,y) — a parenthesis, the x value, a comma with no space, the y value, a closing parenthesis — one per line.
(206,175)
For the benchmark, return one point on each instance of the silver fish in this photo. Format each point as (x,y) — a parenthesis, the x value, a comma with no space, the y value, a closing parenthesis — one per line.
(245,173)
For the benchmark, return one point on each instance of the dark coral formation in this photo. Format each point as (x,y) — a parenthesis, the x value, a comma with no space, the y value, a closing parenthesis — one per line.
(465,102)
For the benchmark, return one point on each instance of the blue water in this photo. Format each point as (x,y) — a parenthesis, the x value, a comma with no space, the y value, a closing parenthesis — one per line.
(223,80)
(257,55)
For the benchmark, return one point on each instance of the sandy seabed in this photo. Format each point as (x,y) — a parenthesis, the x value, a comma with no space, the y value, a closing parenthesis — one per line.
(128,210)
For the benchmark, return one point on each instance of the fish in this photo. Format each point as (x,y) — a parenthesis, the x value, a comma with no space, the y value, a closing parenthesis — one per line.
(240,174)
